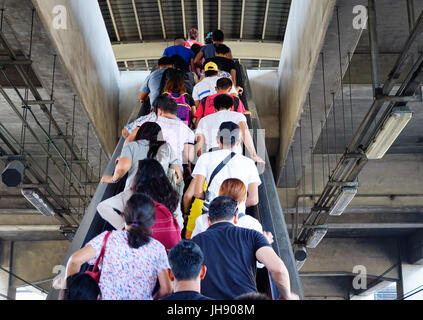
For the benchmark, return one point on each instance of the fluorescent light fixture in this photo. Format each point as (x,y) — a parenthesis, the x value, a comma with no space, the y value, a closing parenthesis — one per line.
(317,234)
(343,200)
(38,201)
(389,133)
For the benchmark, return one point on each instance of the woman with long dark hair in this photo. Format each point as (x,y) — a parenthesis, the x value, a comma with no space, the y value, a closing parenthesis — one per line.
(149,143)
(151,180)
(133,260)
(176,90)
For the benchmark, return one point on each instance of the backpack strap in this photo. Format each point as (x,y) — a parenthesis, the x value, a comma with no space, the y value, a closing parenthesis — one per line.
(219,168)
(204,102)
(236,104)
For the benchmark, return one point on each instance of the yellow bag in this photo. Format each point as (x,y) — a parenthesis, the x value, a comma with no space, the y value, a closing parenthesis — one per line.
(195,212)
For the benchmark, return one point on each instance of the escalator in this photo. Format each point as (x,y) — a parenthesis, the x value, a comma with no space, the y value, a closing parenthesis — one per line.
(268,211)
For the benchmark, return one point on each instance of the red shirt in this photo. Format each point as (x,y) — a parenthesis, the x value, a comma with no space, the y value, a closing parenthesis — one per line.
(210,107)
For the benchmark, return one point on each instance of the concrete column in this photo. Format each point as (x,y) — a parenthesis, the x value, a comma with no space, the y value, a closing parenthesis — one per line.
(79,33)
(307,25)
(412,281)
(6,291)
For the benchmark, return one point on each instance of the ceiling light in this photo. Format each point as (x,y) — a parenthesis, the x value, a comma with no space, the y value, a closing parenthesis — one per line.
(317,234)
(300,255)
(38,201)
(389,133)
(345,197)
(13,174)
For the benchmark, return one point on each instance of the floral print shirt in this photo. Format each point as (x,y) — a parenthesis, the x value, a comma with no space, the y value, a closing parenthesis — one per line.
(128,273)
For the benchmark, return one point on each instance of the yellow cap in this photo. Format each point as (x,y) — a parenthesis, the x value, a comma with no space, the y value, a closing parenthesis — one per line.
(211,66)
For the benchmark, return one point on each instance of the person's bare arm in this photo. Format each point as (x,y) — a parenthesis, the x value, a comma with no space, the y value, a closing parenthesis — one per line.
(248,141)
(193,68)
(142,96)
(195,121)
(189,194)
(276,267)
(253,197)
(121,169)
(80,257)
(199,187)
(197,60)
(132,136)
(179,174)
(165,286)
(200,144)
(188,153)
(233,76)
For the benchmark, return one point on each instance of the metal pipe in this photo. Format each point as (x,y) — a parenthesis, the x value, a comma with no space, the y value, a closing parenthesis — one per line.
(374,49)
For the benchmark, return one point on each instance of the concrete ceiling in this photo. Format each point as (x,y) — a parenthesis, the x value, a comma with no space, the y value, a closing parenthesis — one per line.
(152,25)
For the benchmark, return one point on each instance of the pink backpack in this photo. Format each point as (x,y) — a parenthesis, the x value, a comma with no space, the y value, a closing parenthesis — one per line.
(166,229)
(184,108)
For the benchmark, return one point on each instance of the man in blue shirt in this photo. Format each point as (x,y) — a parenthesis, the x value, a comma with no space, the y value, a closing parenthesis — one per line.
(152,82)
(179,49)
(231,253)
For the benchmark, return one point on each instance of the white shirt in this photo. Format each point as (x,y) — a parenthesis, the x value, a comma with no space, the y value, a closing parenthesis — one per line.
(239,167)
(245,221)
(209,127)
(175,132)
(207,87)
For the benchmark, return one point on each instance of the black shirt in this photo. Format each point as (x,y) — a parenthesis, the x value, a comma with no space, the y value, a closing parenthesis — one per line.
(230,257)
(186,295)
(224,64)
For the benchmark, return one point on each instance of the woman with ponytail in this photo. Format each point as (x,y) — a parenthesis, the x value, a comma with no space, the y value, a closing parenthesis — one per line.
(133,260)
(149,143)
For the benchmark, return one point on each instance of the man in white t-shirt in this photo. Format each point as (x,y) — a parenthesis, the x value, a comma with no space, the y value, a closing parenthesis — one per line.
(208,128)
(175,132)
(207,86)
(239,167)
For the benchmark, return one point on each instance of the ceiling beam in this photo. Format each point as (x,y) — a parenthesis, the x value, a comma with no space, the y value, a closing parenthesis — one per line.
(219,14)
(19,211)
(266,14)
(137,19)
(113,20)
(241,31)
(200,20)
(30,228)
(162,19)
(183,18)
(240,50)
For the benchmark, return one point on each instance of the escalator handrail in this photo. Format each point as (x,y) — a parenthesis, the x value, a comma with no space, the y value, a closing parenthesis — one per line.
(270,210)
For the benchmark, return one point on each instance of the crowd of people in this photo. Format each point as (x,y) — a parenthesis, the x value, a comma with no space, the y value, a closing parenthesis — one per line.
(182,228)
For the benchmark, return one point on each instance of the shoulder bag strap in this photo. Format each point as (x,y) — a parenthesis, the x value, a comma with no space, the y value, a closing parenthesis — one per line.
(103,250)
(219,168)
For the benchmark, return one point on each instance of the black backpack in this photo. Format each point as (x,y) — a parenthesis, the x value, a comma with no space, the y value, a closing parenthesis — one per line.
(204,101)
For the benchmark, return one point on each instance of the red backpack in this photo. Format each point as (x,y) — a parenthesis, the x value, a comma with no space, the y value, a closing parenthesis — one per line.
(166,229)
(184,108)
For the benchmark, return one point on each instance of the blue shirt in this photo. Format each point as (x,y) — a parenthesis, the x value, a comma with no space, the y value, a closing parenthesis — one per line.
(152,84)
(185,53)
(209,51)
(230,257)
